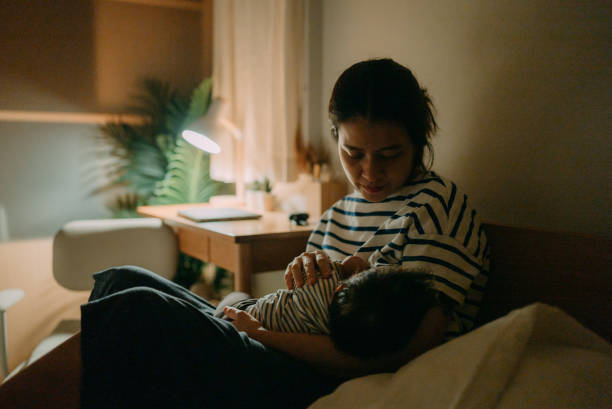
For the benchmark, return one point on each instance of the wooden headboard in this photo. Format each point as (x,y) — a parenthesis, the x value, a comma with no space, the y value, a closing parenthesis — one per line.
(566,270)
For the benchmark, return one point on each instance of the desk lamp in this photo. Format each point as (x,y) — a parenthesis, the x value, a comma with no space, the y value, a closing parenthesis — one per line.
(203,133)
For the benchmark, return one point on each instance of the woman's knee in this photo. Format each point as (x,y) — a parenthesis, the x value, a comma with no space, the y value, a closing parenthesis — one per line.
(123,309)
(115,279)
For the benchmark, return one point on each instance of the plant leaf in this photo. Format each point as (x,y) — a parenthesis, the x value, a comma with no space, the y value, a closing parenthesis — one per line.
(187,179)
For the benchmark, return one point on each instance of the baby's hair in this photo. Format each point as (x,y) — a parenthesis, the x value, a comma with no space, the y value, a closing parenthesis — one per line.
(379,310)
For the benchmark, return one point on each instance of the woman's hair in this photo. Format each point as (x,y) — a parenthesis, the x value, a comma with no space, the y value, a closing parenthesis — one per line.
(379,310)
(383,90)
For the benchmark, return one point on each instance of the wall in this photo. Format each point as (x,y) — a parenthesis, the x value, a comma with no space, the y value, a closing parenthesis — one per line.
(522,91)
(80,56)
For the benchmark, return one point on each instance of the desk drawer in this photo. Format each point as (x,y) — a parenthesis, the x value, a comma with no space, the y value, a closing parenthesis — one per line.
(194,243)
(226,254)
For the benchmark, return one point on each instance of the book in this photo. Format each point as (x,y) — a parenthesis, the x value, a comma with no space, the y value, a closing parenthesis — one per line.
(217,214)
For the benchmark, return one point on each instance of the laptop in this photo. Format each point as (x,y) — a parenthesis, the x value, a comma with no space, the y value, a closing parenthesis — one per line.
(217,214)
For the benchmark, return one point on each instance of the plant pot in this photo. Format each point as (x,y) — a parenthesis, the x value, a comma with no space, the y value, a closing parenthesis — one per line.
(259,201)
(267,201)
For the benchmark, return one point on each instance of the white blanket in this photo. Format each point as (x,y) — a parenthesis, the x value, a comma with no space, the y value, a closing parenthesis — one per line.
(534,357)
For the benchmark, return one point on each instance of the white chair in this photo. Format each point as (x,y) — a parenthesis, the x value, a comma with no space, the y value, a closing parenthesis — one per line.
(7,299)
(83,247)
(4,233)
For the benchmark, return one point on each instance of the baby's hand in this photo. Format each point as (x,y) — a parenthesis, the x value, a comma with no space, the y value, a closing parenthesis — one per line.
(352,265)
(243,321)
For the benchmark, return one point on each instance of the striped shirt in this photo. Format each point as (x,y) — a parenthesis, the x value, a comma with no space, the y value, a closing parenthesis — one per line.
(303,309)
(426,225)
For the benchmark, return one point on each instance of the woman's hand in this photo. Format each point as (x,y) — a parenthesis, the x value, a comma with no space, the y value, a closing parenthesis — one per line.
(352,265)
(243,321)
(305,266)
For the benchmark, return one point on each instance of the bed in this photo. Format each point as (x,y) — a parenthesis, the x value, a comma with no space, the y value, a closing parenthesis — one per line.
(543,336)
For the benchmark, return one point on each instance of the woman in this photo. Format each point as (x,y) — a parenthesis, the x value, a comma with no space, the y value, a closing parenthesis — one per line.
(400,213)
(148,343)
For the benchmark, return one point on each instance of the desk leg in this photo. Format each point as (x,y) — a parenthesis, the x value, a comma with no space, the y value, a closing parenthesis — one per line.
(244,270)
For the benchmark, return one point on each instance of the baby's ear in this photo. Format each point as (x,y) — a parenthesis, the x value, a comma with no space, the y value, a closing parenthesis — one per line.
(353,265)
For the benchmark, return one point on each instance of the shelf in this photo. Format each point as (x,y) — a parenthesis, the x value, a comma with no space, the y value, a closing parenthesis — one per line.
(175,4)
(67,117)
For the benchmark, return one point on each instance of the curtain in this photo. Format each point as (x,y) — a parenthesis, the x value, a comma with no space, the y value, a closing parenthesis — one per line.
(258,56)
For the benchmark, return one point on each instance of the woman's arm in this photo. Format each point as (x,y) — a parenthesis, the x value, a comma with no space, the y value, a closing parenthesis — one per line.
(319,351)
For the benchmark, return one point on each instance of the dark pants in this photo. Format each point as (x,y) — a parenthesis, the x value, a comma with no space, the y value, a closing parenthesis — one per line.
(147,342)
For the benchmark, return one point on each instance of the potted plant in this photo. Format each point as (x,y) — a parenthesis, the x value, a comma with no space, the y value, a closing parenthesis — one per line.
(258,195)
(152,164)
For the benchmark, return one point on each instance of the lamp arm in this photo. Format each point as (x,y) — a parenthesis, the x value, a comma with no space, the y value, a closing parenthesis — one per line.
(239,158)
(229,125)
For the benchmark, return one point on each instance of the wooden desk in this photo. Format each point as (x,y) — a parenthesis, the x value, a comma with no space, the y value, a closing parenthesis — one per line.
(245,247)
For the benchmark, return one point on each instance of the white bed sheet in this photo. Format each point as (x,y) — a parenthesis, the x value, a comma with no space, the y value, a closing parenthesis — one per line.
(534,357)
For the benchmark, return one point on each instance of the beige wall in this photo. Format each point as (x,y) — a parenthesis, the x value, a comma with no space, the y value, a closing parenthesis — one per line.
(80,56)
(87,55)
(132,41)
(522,91)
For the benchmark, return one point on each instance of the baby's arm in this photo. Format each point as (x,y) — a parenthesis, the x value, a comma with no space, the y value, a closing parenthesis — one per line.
(318,350)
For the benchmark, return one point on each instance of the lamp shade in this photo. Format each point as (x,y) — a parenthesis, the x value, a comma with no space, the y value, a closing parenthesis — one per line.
(203,132)
(201,141)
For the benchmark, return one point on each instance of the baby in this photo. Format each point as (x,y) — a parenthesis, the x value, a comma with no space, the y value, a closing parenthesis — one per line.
(365,313)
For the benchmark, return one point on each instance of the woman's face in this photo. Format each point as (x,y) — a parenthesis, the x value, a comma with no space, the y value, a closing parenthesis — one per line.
(377,157)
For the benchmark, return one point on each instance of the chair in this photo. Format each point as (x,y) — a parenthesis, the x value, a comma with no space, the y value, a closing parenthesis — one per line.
(7,299)
(83,247)
(4,233)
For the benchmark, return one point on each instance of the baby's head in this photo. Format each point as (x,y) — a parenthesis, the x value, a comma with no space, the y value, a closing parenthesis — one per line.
(377,311)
